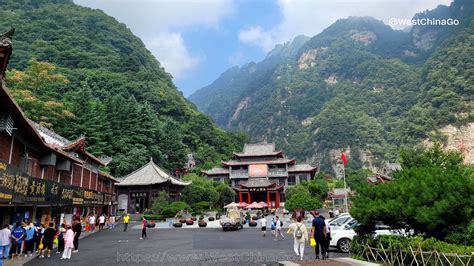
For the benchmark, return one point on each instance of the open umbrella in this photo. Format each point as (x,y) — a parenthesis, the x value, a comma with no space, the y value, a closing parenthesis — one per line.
(243,205)
(232,205)
(263,204)
(254,205)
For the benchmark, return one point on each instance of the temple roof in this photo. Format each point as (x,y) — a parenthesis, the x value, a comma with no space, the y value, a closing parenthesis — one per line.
(301,168)
(216,171)
(150,174)
(60,143)
(259,149)
(256,182)
(274,161)
(5,51)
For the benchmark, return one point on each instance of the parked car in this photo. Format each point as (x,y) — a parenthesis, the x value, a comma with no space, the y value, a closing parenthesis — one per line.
(342,236)
(340,221)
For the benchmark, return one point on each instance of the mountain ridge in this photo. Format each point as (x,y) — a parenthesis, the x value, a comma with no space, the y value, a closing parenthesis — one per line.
(358,84)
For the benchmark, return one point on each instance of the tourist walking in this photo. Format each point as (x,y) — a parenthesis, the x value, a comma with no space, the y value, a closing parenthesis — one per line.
(68,243)
(17,236)
(263,224)
(39,234)
(273,226)
(91,223)
(101,222)
(30,233)
(125,221)
(318,231)
(62,232)
(144,225)
(112,221)
(327,238)
(300,236)
(278,226)
(5,235)
(47,240)
(77,229)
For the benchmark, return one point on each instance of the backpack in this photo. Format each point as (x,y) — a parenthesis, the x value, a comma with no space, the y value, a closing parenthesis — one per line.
(299,232)
(281,223)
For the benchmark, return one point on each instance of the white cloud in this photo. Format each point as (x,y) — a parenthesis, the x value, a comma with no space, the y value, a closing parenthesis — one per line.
(256,35)
(311,17)
(160,23)
(174,55)
(237,59)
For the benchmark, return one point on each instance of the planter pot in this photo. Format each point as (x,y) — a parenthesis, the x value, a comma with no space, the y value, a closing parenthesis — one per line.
(204,224)
(194,218)
(182,220)
(253,224)
(254,218)
(177,225)
(189,222)
(151,224)
(211,218)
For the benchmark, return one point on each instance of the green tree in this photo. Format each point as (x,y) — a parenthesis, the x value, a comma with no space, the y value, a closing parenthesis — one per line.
(303,200)
(433,194)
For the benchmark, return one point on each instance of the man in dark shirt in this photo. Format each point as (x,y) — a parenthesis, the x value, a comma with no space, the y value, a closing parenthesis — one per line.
(318,231)
(48,239)
(77,229)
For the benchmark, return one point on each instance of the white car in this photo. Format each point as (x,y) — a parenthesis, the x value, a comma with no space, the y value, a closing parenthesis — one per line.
(342,236)
(340,221)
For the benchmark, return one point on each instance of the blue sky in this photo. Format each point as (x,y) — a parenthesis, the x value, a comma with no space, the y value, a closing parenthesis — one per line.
(197,40)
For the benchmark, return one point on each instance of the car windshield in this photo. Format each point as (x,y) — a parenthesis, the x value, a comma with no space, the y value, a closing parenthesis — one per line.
(338,221)
(353,223)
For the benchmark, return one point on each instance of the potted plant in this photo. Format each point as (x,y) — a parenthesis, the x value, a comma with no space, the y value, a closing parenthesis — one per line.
(189,222)
(202,223)
(211,219)
(182,220)
(193,218)
(177,225)
(252,223)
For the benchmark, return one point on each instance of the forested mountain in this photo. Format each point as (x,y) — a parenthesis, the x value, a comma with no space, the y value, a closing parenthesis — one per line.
(359,84)
(79,71)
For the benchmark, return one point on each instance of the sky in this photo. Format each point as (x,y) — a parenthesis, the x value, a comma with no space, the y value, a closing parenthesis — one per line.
(197,40)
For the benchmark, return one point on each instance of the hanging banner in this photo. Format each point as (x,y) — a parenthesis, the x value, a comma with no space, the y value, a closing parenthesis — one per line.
(258,170)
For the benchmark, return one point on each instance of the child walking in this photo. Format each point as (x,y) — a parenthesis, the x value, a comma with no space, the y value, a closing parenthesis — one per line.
(68,243)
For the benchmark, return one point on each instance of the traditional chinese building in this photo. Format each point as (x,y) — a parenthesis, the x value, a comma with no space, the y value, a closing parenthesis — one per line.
(43,176)
(261,173)
(137,191)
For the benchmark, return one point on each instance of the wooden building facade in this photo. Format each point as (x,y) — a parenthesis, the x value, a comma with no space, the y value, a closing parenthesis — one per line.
(43,179)
(137,191)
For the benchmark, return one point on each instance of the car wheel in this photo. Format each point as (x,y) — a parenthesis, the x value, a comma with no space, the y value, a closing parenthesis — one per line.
(343,245)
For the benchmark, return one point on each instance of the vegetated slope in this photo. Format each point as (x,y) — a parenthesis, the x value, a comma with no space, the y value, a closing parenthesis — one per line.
(360,84)
(122,99)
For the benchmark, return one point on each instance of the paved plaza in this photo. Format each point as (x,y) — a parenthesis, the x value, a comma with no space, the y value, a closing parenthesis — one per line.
(200,246)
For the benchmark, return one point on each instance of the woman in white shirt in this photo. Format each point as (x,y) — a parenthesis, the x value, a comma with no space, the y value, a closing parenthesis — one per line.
(300,236)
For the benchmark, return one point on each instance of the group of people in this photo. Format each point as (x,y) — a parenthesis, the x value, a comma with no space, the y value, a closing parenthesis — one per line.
(27,239)
(100,222)
(320,233)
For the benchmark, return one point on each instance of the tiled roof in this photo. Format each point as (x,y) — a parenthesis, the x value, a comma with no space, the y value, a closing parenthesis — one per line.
(274,161)
(216,171)
(259,149)
(150,174)
(301,168)
(256,182)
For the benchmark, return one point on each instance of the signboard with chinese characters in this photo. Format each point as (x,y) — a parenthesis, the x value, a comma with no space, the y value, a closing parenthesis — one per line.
(258,170)
(7,182)
(258,189)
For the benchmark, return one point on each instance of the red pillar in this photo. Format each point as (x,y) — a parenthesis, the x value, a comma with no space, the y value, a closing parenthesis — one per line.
(240,197)
(268,199)
(248,197)
(277,200)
